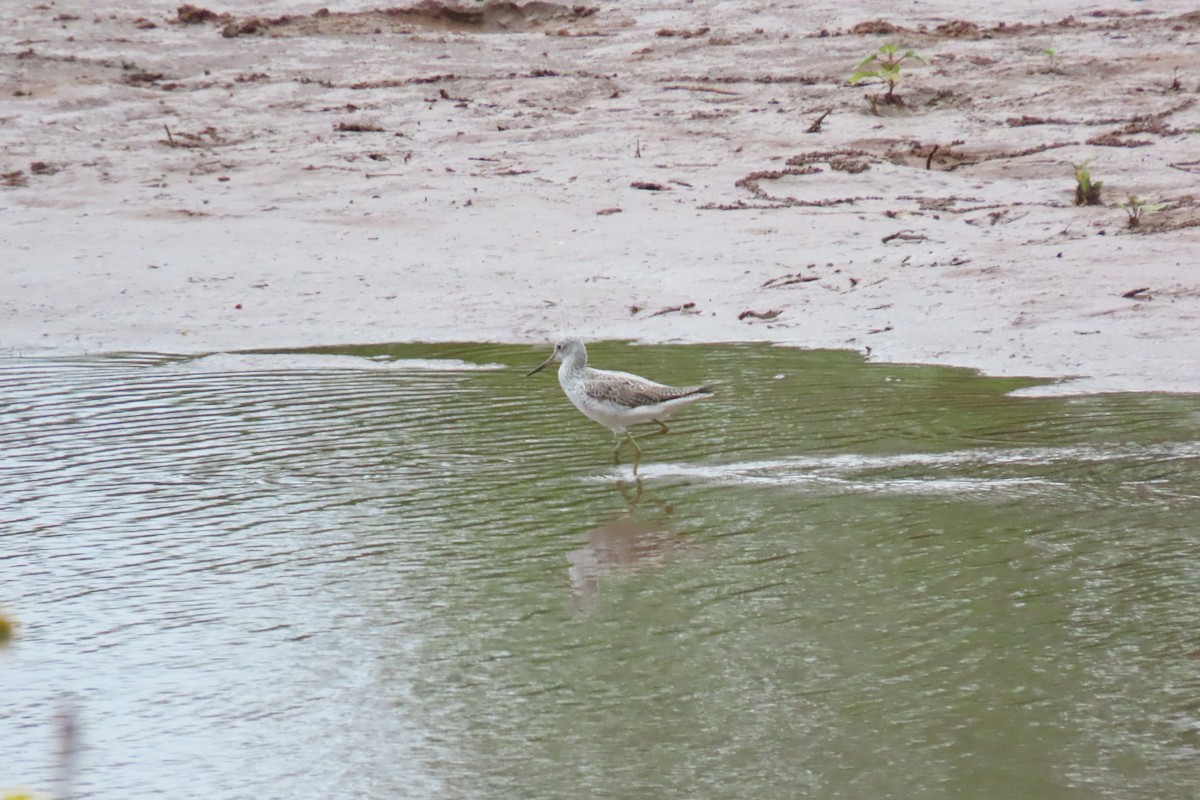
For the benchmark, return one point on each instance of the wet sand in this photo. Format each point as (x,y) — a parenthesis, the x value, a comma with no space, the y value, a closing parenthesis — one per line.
(184,182)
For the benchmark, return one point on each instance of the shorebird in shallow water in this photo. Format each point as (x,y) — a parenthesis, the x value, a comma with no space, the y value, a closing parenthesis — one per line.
(617,400)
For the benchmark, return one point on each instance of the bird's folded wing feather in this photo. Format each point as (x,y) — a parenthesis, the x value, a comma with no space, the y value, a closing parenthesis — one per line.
(631,390)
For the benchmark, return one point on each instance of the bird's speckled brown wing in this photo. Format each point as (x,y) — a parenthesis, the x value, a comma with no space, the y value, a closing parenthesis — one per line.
(631,391)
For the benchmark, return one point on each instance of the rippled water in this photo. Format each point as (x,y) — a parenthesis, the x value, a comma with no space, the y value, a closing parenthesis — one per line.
(410,572)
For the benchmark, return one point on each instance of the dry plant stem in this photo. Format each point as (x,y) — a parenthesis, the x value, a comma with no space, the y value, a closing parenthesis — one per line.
(815,127)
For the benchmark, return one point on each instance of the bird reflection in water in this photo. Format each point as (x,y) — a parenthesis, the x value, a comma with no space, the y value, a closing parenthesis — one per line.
(640,539)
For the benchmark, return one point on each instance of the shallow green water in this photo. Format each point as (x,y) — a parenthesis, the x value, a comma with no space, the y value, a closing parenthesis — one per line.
(411,572)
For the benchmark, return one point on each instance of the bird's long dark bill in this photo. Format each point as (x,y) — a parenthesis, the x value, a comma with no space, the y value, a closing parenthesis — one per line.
(540,367)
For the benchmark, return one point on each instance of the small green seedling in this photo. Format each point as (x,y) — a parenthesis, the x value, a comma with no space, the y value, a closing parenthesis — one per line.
(884,64)
(1053,60)
(1135,208)
(1087,191)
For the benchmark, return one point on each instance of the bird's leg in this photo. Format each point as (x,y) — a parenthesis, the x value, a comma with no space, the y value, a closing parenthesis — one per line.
(629,437)
(636,449)
(621,443)
(662,428)
(637,458)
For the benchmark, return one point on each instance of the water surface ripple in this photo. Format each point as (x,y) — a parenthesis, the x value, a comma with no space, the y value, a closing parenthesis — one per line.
(408,571)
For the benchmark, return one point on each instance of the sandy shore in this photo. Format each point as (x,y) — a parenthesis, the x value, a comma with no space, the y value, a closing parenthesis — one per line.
(627,170)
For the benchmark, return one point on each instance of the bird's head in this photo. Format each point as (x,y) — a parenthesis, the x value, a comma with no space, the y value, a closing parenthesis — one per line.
(568,350)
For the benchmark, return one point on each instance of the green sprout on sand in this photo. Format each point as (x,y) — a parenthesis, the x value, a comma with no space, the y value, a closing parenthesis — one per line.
(1053,60)
(1135,207)
(884,64)
(1087,191)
